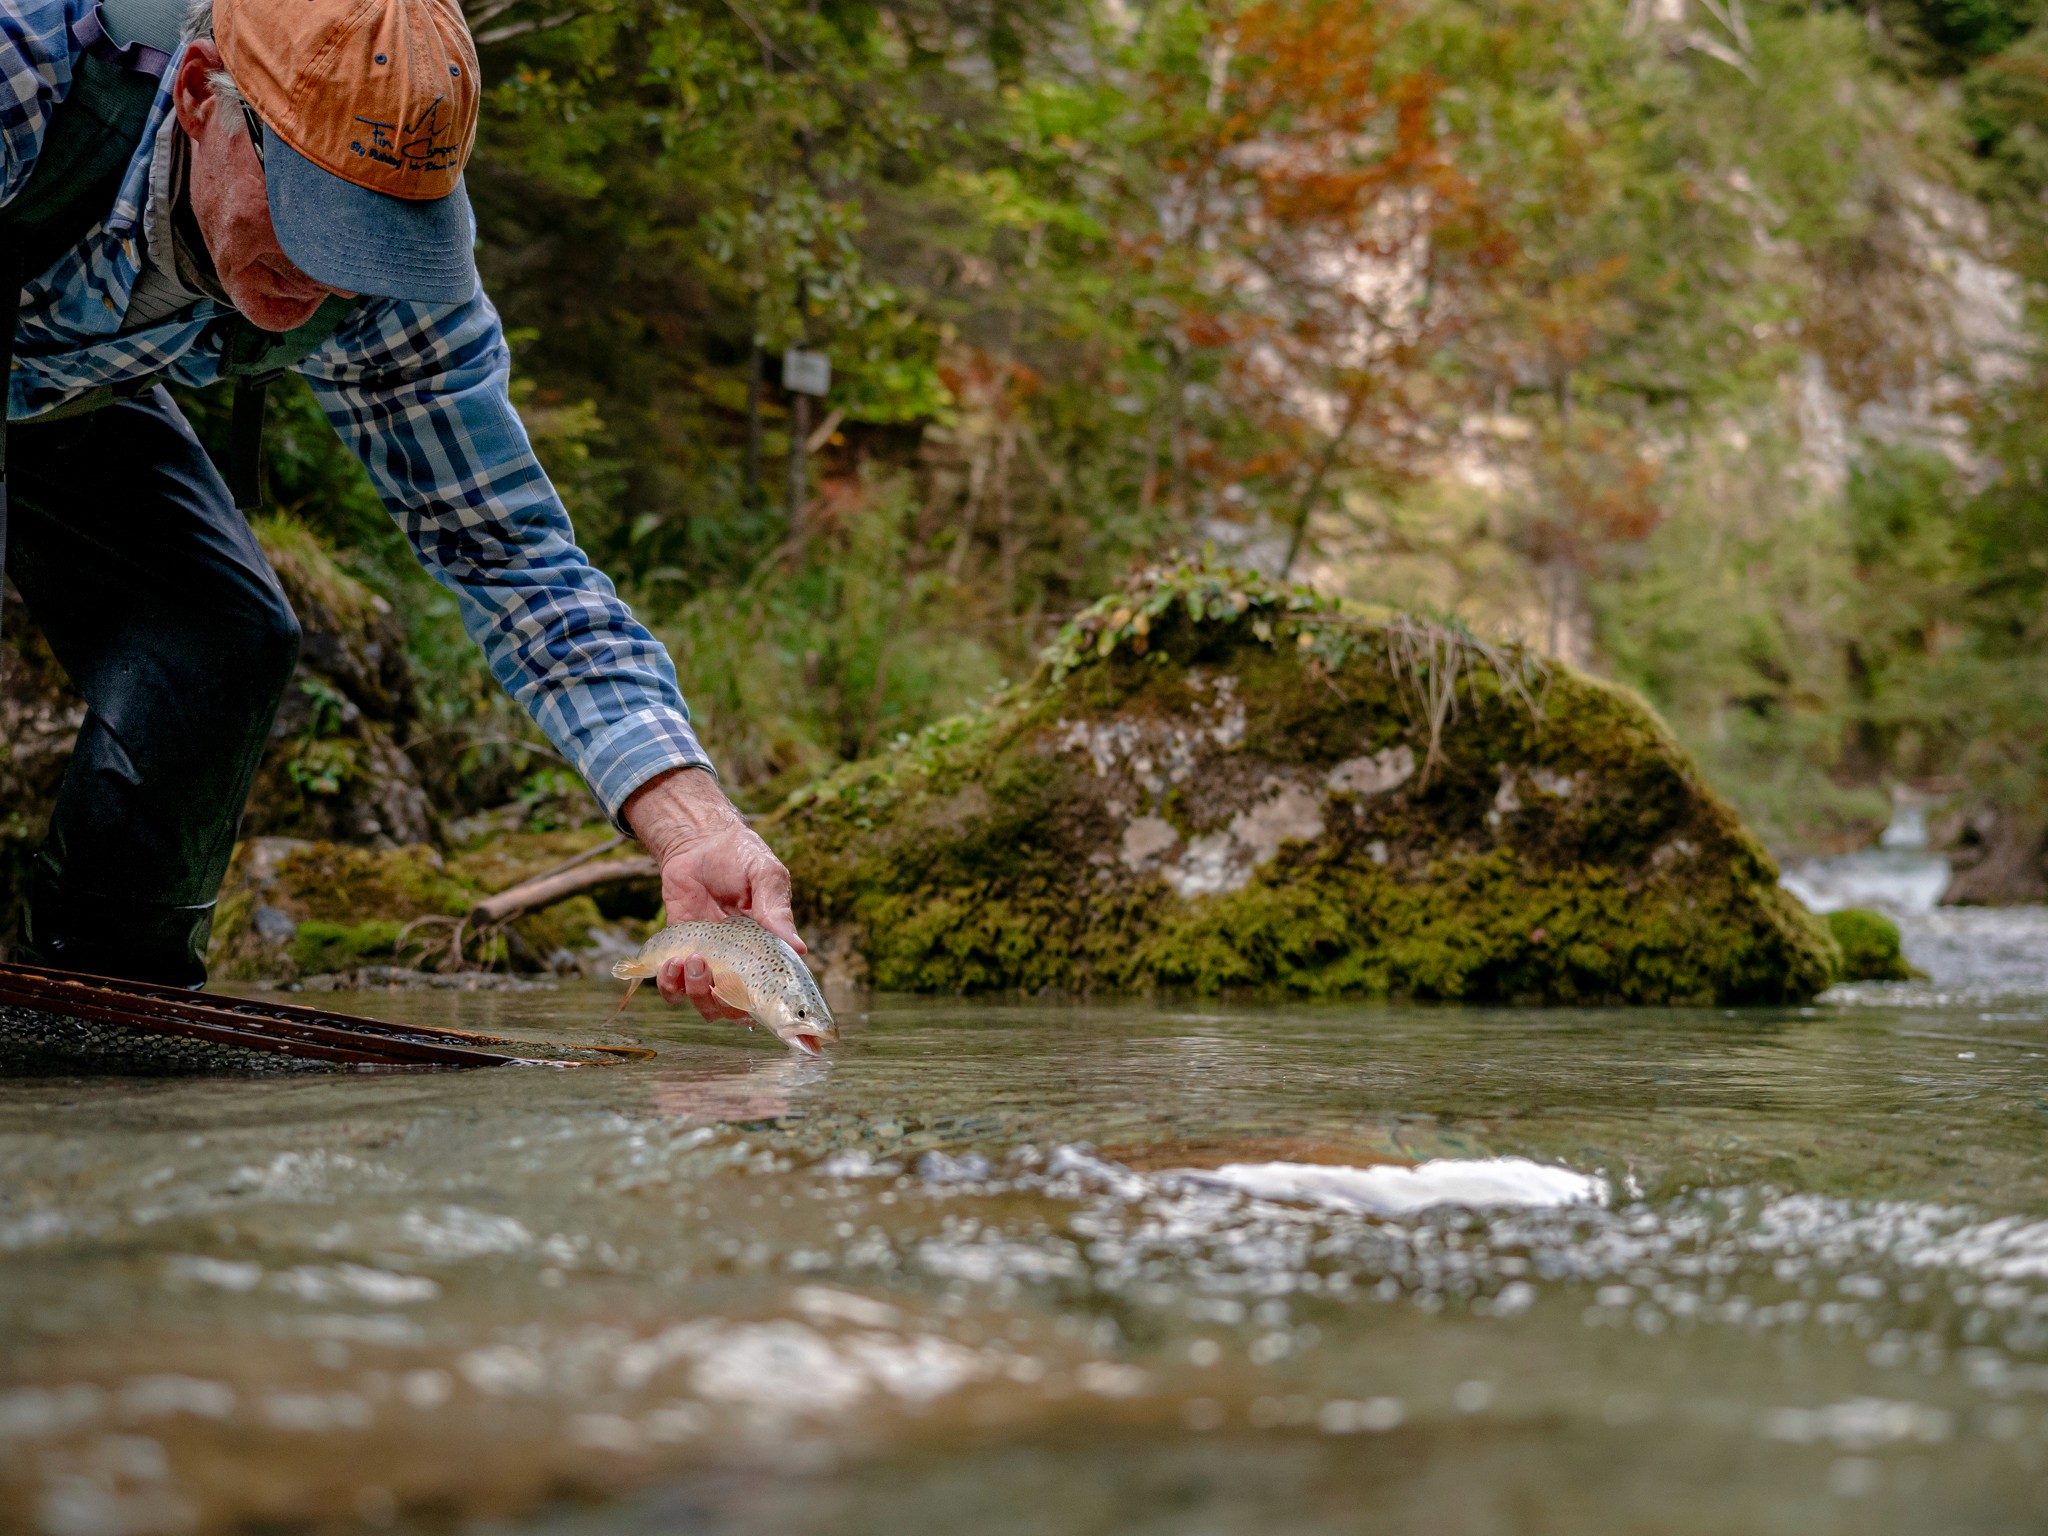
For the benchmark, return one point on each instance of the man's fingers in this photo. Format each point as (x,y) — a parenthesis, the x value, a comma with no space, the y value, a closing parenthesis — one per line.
(768,900)
(712,863)
(669,979)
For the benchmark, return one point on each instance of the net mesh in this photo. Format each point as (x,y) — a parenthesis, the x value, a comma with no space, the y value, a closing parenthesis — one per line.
(33,1040)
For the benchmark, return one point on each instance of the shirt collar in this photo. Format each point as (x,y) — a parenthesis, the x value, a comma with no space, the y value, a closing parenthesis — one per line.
(126,220)
(156,206)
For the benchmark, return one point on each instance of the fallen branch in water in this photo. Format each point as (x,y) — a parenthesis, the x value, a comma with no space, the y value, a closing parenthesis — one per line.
(493,913)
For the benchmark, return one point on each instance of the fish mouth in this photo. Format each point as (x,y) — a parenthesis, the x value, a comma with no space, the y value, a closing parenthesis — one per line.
(812,1035)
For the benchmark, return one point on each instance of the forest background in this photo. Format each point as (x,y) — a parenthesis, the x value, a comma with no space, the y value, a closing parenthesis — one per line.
(1694,341)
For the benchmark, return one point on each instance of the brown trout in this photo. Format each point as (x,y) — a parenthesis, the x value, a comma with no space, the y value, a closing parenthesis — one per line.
(751,969)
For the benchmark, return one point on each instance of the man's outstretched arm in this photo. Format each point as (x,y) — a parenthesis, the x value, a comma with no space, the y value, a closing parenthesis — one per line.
(420,394)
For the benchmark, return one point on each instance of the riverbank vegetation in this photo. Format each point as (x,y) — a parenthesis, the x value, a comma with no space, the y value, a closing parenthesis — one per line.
(1689,341)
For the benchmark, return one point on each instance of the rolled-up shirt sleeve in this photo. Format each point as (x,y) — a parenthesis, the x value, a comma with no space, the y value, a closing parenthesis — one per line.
(420,394)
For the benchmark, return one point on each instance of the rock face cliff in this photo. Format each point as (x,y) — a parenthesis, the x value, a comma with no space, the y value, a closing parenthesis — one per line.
(1216,783)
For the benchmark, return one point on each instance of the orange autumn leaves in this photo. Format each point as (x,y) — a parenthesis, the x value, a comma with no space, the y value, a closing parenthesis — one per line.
(1344,290)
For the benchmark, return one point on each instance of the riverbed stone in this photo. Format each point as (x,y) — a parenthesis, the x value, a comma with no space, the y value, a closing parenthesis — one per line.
(1215,783)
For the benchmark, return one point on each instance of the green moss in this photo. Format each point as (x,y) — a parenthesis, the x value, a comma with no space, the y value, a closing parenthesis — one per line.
(988,853)
(327,946)
(1870,946)
(230,920)
(565,925)
(337,883)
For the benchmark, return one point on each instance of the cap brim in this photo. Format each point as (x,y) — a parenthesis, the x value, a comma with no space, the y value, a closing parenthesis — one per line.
(367,242)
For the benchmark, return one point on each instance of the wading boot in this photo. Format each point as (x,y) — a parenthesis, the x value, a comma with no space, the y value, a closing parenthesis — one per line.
(100,935)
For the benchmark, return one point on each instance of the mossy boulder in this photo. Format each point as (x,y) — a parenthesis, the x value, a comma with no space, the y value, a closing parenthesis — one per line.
(1216,784)
(1870,946)
(320,946)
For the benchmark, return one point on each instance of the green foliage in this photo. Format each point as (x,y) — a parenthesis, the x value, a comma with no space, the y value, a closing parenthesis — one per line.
(329,707)
(1205,594)
(667,153)
(1946,36)
(1870,946)
(1809,656)
(322,767)
(825,656)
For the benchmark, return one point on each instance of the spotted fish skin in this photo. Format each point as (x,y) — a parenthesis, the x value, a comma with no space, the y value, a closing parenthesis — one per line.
(751,969)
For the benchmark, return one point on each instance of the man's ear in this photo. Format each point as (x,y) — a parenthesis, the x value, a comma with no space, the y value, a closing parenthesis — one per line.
(191,91)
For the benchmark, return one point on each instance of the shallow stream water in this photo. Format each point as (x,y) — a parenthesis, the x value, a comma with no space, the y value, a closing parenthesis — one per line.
(1022,1268)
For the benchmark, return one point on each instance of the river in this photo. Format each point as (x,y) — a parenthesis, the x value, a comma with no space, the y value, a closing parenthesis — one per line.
(1023,1267)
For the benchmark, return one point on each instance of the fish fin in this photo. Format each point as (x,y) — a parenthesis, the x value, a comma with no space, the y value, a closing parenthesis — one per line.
(634,970)
(632,986)
(734,997)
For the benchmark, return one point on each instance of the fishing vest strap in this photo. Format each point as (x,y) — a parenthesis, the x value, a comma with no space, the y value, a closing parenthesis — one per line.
(78,170)
(245,441)
(91,34)
(255,359)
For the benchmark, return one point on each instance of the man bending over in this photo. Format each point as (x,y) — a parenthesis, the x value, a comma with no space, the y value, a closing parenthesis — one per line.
(295,193)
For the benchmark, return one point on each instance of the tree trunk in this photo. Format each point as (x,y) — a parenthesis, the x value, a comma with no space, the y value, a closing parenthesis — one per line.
(1176,431)
(1314,493)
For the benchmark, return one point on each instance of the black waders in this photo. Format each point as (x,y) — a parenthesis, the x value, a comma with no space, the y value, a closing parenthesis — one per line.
(127,548)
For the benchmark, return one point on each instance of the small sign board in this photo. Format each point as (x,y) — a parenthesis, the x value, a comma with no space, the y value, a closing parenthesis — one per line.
(806,373)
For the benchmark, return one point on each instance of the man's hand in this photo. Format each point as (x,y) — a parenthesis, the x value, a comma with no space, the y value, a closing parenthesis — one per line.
(712,864)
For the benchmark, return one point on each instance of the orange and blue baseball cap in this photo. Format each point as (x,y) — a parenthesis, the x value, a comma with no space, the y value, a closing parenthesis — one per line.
(368,112)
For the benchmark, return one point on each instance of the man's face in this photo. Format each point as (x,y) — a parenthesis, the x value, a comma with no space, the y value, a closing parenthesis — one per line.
(231,206)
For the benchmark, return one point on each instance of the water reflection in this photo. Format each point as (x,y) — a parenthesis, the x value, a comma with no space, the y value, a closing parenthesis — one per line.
(756,1089)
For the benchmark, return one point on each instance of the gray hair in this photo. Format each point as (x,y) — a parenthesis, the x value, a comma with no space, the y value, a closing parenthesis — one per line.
(199,28)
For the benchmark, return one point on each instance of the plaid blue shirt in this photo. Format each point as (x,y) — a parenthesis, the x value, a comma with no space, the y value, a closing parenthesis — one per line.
(419,392)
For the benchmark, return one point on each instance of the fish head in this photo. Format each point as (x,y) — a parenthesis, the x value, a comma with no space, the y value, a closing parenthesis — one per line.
(798,1015)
